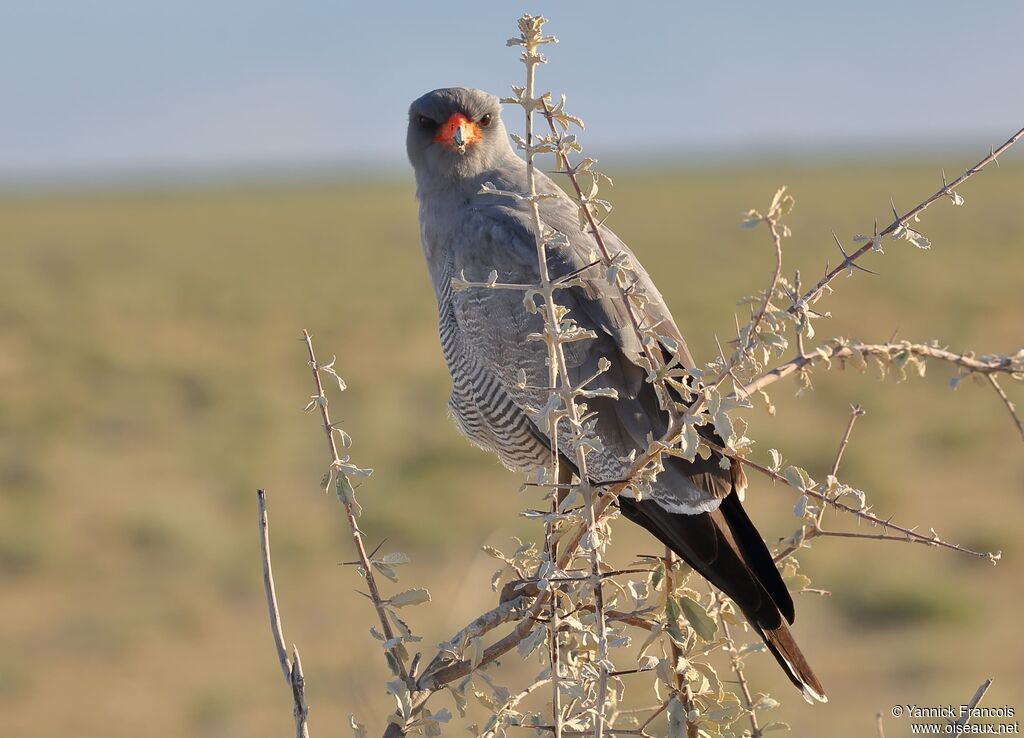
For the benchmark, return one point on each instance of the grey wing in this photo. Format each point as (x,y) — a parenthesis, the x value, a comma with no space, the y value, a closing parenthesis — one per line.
(498,327)
(562,214)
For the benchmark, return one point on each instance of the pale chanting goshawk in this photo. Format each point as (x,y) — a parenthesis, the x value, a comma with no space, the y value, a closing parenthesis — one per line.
(456,142)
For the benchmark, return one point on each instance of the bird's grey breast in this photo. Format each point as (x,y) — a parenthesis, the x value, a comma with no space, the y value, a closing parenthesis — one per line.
(484,338)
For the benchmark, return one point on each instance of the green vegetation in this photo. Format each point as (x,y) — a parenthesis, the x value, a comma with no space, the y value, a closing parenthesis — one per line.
(152,380)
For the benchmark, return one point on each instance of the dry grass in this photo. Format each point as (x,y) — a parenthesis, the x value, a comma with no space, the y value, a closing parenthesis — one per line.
(143,335)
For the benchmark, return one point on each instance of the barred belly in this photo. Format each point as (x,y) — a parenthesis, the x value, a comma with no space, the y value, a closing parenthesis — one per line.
(482,409)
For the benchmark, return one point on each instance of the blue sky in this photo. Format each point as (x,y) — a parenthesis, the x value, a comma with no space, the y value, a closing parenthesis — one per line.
(196,85)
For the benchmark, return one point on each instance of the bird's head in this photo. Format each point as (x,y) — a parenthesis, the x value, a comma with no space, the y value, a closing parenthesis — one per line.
(455,133)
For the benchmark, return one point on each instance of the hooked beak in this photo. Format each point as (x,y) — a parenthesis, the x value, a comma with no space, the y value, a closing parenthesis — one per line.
(458,133)
(459,138)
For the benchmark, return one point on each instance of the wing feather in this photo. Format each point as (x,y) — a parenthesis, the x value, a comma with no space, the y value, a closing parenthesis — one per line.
(499,236)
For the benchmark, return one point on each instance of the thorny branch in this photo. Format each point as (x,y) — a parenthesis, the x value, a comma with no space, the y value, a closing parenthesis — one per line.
(908,535)
(320,400)
(839,348)
(898,228)
(897,354)
(948,189)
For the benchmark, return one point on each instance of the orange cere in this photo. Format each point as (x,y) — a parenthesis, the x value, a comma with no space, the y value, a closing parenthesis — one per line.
(470,130)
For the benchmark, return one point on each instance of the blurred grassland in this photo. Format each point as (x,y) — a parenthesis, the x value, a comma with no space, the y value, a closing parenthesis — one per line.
(152,380)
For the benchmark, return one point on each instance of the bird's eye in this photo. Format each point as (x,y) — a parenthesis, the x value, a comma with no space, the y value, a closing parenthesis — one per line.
(427,123)
(486,120)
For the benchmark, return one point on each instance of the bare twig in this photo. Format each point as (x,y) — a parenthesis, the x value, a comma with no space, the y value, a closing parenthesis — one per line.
(654,716)
(1010,407)
(965,717)
(737,666)
(750,331)
(855,412)
(515,699)
(268,586)
(799,326)
(298,685)
(290,668)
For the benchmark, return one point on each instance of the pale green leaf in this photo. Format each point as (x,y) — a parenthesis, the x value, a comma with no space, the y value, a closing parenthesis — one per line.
(415,596)
(698,617)
(676,719)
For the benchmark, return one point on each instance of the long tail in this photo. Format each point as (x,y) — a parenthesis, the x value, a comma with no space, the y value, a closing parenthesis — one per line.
(726,549)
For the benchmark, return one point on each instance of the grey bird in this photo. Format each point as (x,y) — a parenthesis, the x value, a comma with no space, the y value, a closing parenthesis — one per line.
(456,142)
